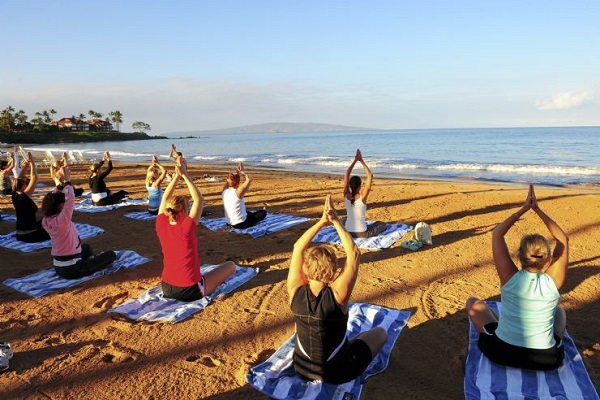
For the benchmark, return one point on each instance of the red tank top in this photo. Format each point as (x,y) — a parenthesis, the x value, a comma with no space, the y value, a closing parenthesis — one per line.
(181,262)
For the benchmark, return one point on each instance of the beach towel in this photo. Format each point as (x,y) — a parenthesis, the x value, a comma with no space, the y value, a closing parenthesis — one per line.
(271,223)
(8,218)
(10,240)
(88,206)
(152,306)
(141,215)
(487,380)
(276,376)
(46,281)
(392,233)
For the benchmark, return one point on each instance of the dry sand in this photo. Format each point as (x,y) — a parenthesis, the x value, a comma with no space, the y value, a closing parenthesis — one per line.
(67,347)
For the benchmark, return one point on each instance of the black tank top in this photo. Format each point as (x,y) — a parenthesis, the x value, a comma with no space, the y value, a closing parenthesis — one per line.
(25,210)
(320,330)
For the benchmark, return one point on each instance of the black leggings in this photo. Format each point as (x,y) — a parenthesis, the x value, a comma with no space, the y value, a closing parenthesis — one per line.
(373,229)
(509,355)
(88,264)
(252,218)
(111,199)
(39,235)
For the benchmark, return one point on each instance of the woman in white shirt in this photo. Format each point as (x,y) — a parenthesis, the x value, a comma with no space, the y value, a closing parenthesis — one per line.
(355,197)
(233,201)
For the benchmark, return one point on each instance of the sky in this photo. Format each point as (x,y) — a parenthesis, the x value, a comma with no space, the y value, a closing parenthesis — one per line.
(202,65)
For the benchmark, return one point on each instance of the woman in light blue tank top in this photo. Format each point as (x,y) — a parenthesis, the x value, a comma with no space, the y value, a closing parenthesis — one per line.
(528,333)
(154,177)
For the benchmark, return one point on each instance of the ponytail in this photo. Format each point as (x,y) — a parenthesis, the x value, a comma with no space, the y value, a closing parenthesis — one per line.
(354,184)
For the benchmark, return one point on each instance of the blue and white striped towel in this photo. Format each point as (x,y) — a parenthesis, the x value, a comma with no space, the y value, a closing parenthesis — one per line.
(487,380)
(276,376)
(384,240)
(46,281)
(141,215)
(8,218)
(88,206)
(10,240)
(271,223)
(152,306)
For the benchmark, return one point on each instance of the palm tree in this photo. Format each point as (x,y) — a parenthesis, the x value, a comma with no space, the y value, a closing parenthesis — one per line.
(21,119)
(37,121)
(117,118)
(7,118)
(52,111)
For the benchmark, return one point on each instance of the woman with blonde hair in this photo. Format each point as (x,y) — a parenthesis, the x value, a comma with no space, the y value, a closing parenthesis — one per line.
(176,230)
(233,201)
(101,195)
(528,333)
(355,198)
(56,167)
(155,175)
(319,292)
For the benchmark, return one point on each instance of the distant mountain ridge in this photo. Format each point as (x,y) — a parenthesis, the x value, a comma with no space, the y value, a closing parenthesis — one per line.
(275,127)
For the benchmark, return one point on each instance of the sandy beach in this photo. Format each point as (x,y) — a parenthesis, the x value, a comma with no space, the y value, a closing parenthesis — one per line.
(67,346)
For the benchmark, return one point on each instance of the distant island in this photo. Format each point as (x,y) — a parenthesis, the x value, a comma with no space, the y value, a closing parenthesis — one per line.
(273,127)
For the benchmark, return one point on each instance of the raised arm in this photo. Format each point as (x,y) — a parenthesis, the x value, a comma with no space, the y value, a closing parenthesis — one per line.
(505,266)
(560,256)
(197,198)
(244,186)
(344,284)
(367,188)
(33,177)
(169,191)
(64,179)
(109,168)
(348,173)
(163,172)
(296,277)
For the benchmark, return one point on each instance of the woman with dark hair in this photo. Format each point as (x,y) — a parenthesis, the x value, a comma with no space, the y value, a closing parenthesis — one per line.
(528,333)
(101,195)
(29,229)
(155,175)
(176,230)
(355,198)
(233,201)
(319,292)
(71,258)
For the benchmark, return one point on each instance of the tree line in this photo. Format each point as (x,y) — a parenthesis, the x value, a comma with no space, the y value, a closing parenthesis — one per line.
(18,121)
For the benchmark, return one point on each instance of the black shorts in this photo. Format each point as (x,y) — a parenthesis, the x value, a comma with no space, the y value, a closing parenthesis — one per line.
(351,361)
(189,293)
(509,355)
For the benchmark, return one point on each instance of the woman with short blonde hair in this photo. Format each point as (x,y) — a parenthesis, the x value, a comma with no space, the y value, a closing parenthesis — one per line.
(319,291)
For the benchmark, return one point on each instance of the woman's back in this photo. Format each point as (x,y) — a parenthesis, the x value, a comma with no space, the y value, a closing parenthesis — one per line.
(25,210)
(320,327)
(529,302)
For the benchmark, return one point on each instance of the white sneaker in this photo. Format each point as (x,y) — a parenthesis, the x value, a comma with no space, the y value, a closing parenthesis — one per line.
(6,354)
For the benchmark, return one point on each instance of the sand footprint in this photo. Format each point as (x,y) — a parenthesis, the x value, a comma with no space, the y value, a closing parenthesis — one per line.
(107,302)
(207,361)
(115,354)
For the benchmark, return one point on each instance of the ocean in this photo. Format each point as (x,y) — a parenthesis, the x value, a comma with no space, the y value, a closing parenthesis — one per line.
(544,156)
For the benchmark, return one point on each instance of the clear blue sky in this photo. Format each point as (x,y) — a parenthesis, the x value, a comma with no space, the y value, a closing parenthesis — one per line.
(195,65)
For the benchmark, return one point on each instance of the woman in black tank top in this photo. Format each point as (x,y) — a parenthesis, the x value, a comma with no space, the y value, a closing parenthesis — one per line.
(319,292)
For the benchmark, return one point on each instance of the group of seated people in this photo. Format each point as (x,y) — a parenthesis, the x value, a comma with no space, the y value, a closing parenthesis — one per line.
(319,286)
